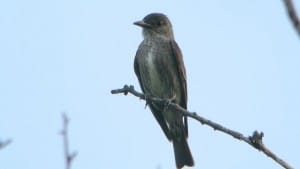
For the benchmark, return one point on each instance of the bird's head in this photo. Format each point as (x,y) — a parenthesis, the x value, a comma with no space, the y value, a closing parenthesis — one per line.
(156,25)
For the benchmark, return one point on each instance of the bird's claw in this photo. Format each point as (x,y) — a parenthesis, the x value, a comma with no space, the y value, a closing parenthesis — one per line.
(169,101)
(147,100)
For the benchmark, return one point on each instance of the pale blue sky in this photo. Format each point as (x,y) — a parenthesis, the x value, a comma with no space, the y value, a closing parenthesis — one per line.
(242,61)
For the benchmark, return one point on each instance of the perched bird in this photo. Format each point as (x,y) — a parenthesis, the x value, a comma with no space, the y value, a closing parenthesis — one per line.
(159,67)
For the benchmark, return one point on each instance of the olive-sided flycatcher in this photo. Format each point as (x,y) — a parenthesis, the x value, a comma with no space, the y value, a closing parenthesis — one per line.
(160,70)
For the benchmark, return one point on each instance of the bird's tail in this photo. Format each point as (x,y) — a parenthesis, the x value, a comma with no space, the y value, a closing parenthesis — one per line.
(183,155)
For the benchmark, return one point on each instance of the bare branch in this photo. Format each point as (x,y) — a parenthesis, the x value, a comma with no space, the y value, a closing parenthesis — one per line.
(255,140)
(292,14)
(5,143)
(69,157)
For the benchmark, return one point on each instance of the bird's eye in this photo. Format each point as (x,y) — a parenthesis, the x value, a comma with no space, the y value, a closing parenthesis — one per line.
(160,23)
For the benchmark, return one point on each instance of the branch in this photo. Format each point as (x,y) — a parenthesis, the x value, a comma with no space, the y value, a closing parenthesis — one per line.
(5,143)
(68,157)
(255,140)
(292,14)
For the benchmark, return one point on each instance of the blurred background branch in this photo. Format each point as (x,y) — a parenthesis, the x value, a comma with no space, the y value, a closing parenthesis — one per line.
(69,157)
(292,14)
(5,143)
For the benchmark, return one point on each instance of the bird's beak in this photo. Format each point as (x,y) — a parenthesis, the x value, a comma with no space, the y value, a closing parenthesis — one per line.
(142,24)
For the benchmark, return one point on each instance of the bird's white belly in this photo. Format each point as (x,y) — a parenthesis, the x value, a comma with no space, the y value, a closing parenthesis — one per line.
(157,85)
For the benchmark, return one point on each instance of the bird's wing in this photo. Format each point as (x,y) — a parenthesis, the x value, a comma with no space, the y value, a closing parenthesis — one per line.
(177,56)
(155,111)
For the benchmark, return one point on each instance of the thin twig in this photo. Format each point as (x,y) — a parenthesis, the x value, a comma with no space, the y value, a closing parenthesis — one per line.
(255,140)
(69,157)
(5,143)
(292,14)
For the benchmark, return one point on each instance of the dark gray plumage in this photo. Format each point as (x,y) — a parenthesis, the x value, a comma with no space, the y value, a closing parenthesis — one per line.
(161,73)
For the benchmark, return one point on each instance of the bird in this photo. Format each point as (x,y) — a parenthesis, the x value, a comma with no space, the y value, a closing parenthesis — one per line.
(160,70)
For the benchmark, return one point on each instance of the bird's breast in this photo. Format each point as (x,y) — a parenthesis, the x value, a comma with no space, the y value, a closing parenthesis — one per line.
(153,72)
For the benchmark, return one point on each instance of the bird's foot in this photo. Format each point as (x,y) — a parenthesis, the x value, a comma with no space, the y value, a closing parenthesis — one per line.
(147,99)
(167,102)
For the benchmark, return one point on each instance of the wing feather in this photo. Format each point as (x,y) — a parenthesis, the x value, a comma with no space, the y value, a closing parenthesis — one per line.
(178,59)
